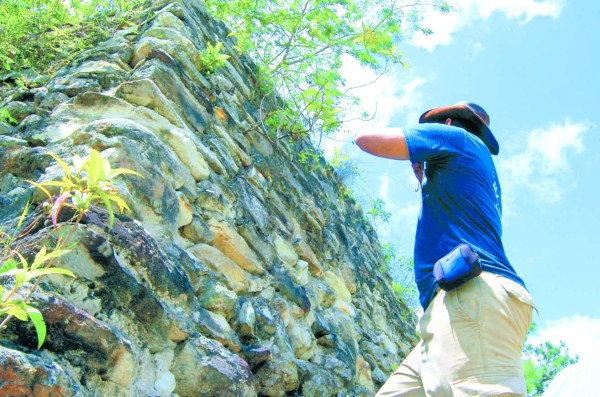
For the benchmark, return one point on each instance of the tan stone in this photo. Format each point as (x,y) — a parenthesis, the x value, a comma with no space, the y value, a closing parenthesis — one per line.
(348,274)
(314,210)
(282,307)
(146,93)
(167,33)
(302,274)
(363,373)
(338,286)
(230,243)
(307,254)
(237,279)
(345,307)
(285,251)
(124,367)
(186,212)
(303,341)
(241,156)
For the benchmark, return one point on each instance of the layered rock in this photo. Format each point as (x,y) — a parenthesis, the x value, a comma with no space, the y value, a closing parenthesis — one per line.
(244,272)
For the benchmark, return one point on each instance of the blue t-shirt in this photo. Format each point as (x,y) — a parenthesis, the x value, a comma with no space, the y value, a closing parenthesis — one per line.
(461,202)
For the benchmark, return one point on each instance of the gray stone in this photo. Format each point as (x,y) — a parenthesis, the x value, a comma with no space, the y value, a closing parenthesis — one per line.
(246,319)
(50,100)
(9,141)
(22,373)
(198,231)
(73,86)
(214,296)
(205,367)
(19,110)
(5,128)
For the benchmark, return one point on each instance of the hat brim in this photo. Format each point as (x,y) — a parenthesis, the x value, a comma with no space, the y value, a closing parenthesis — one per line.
(462,112)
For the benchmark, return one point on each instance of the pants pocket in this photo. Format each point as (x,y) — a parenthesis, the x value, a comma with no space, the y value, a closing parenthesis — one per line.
(467,299)
(518,292)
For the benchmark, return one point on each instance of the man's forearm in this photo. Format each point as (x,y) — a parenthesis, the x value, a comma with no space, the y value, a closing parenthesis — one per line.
(388,145)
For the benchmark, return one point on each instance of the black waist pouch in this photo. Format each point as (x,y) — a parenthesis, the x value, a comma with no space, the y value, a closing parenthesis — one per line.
(457,267)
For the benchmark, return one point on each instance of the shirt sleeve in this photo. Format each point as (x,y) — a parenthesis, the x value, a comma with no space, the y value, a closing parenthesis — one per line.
(432,141)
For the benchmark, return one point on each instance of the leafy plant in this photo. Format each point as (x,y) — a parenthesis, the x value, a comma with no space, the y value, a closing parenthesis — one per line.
(543,362)
(5,117)
(89,182)
(23,272)
(377,211)
(299,46)
(402,273)
(211,59)
(35,33)
(343,166)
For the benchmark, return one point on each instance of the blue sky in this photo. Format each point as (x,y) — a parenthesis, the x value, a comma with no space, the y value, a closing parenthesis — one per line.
(533,65)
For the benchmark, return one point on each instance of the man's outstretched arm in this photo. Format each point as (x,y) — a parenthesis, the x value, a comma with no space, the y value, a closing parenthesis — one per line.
(391,145)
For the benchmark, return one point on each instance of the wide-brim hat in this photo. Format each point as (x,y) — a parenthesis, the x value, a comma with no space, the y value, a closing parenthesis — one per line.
(477,119)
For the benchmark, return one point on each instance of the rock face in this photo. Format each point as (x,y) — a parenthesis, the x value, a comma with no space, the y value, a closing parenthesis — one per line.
(244,272)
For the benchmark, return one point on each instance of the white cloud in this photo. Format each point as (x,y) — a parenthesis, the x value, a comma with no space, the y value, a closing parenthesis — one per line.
(581,334)
(382,96)
(542,166)
(384,187)
(467,11)
(474,49)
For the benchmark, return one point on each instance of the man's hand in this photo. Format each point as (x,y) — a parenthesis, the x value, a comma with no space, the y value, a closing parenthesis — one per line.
(418,169)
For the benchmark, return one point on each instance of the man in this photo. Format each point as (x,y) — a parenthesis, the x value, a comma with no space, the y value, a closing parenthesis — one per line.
(471,336)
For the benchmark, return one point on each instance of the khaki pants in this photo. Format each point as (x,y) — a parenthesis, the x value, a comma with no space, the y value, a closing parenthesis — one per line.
(471,343)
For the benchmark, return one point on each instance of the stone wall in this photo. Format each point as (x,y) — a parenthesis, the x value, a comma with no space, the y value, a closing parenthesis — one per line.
(242,271)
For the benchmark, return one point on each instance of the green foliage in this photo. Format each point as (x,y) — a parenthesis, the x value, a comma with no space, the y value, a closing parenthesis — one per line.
(543,362)
(402,272)
(22,272)
(343,166)
(35,33)
(211,59)
(299,45)
(310,158)
(5,117)
(377,210)
(89,182)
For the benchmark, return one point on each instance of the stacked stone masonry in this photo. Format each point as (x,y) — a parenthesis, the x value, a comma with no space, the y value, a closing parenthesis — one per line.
(240,271)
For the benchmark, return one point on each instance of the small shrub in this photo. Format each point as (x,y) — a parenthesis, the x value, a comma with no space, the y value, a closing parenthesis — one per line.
(89,182)
(5,117)
(211,59)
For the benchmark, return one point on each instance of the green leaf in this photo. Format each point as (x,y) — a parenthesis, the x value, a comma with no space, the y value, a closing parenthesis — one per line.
(54,270)
(66,185)
(43,256)
(17,309)
(95,168)
(23,215)
(111,216)
(55,254)
(14,272)
(38,322)
(119,171)
(120,202)
(41,187)
(10,264)
(80,163)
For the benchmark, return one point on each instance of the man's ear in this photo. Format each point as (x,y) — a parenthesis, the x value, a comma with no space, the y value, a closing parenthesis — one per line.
(448,121)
